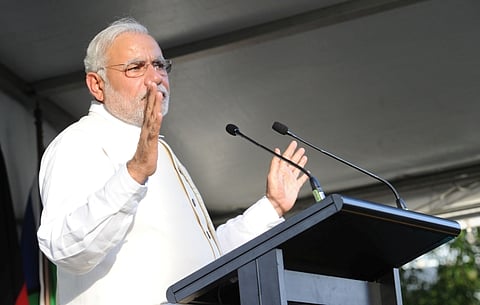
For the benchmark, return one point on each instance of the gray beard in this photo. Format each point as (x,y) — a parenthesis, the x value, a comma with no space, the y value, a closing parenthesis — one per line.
(133,111)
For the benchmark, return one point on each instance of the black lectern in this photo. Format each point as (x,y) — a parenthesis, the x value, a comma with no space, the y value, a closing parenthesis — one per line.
(338,251)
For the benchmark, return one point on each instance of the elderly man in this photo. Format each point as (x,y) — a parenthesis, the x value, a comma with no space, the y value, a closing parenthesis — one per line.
(122,219)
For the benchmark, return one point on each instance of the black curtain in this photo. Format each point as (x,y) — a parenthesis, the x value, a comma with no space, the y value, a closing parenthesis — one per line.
(11,281)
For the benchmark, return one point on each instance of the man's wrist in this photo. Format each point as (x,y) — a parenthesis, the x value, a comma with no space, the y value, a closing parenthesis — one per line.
(135,172)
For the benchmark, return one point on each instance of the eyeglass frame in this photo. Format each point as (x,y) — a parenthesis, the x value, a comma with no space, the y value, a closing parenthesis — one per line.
(164,64)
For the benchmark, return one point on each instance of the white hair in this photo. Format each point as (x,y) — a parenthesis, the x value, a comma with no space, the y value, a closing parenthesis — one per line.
(96,57)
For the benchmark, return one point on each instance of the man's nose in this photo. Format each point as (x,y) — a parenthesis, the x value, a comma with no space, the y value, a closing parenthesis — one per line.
(155,75)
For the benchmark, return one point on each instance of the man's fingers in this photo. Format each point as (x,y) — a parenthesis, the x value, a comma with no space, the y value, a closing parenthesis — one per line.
(290,150)
(299,153)
(295,155)
(153,109)
(275,163)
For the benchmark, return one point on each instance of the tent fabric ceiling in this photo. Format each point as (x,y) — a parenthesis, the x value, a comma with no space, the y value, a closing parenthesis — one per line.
(389,85)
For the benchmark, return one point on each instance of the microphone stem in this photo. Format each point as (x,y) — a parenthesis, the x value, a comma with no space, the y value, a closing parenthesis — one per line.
(399,201)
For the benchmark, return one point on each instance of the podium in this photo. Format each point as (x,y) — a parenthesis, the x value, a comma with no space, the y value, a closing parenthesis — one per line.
(338,251)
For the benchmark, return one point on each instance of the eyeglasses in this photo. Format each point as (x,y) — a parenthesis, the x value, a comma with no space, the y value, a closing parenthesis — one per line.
(138,68)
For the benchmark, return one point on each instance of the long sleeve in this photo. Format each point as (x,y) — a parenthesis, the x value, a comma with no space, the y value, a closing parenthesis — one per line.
(89,202)
(257,219)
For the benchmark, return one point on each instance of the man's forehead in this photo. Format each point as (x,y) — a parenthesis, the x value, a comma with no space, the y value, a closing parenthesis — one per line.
(133,46)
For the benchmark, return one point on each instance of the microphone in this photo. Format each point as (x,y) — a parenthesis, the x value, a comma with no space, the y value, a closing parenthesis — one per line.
(316,188)
(282,129)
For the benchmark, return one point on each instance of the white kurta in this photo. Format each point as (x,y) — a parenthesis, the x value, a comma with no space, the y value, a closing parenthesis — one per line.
(116,241)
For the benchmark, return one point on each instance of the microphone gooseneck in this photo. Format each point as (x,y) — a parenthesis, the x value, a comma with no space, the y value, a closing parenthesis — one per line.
(317,191)
(282,129)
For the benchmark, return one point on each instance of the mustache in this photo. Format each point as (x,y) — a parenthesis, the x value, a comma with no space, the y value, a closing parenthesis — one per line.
(160,88)
(164,90)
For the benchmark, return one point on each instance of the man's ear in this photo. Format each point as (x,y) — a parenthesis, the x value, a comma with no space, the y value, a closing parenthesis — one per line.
(96,85)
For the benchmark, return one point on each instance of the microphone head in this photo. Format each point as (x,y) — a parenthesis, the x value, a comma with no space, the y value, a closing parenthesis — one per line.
(280,128)
(232,129)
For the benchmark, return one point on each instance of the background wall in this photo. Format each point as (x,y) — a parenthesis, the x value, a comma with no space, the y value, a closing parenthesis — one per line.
(18,141)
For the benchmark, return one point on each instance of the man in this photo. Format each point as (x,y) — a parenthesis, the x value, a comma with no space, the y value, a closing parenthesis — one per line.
(122,219)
